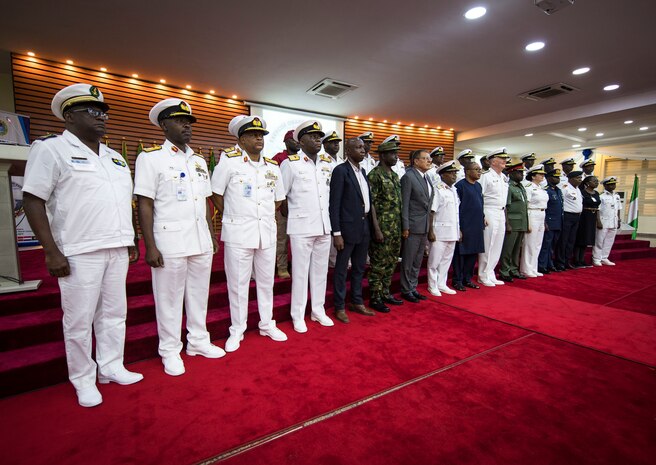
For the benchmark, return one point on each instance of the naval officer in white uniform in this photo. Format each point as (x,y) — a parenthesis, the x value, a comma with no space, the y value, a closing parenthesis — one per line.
(173,185)
(306,177)
(248,188)
(445,216)
(77,198)
(495,196)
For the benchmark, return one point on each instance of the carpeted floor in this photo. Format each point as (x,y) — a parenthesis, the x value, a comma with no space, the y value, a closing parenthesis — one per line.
(535,401)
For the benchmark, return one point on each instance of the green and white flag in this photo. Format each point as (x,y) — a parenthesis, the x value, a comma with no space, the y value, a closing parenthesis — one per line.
(633,207)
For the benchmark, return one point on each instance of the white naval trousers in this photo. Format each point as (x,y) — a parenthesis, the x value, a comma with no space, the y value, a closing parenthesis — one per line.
(310,255)
(604,239)
(239,263)
(439,261)
(93,296)
(493,236)
(182,280)
(528,263)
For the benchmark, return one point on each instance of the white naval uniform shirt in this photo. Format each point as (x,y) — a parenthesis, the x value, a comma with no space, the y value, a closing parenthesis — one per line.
(495,190)
(446,208)
(250,190)
(572,199)
(461,174)
(307,185)
(536,197)
(368,163)
(432,175)
(610,205)
(179,184)
(398,168)
(88,197)
(364,187)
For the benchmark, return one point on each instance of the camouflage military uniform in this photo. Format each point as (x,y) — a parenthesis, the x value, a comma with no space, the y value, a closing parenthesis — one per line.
(386,198)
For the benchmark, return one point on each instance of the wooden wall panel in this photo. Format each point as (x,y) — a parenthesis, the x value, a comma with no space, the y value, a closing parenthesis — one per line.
(412,138)
(37,80)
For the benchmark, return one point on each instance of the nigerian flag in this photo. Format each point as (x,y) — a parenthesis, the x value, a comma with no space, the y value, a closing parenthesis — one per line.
(212,161)
(633,207)
(124,151)
(139,147)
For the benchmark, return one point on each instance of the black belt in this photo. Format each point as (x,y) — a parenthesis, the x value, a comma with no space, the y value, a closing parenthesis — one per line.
(573,213)
(591,209)
(538,209)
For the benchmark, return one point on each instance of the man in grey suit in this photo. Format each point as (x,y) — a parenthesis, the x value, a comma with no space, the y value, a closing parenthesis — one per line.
(417,196)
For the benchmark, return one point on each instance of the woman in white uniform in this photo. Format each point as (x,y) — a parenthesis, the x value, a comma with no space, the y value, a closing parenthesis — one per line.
(537,199)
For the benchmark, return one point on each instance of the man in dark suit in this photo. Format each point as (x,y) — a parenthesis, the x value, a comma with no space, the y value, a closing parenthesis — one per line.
(553,222)
(417,196)
(350,218)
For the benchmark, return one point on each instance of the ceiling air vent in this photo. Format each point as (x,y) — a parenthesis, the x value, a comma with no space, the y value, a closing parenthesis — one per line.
(330,88)
(545,92)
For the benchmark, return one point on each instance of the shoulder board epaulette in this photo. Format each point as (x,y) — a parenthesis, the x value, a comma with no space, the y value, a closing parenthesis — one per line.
(153,149)
(293,158)
(325,158)
(232,152)
(269,160)
(47,136)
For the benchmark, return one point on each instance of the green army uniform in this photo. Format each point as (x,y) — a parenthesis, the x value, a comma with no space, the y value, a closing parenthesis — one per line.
(517,217)
(386,199)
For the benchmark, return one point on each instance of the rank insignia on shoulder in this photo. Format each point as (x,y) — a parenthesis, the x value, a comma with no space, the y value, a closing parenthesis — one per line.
(325,158)
(119,162)
(47,136)
(293,158)
(269,160)
(153,149)
(232,152)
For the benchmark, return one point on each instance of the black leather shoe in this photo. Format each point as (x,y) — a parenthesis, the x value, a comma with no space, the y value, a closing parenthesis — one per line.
(557,269)
(379,306)
(572,266)
(419,296)
(472,285)
(390,299)
(543,271)
(505,279)
(519,276)
(459,287)
(410,298)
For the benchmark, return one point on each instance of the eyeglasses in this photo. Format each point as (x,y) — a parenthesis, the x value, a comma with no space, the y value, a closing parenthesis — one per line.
(94,112)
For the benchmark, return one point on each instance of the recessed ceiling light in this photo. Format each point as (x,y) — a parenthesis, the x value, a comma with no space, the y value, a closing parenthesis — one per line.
(612,87)
(528,135)
(412,124)
(371,119)
(211,91)
(439,127)
(599,134)
(234,95)
(582,129)
(31,54)
(356,117)
(163,81)
(644,128)
(69,62)
(576,146)
(135,75)
(581,70)
(534,46)
(103,69)
(628,121)
(384,121)
(475,13)
(450,129)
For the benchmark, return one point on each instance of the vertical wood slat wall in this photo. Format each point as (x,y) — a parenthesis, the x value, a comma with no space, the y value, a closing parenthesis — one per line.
(37,80)
(412,138)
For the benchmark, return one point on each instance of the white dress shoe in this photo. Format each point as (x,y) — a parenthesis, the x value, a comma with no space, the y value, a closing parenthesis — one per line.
(208,351)
(486,283)
(531,275)
(232,343)
(447,290)
(538,274)
(300,327)
(596,262)
(434,292)
(121,376)
(607,262)
(274,333)
(323,320)
(173,365)
(497,282)
(89,397)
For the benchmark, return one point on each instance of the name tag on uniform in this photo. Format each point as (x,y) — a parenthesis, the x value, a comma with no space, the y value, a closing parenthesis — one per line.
(82,164)
(248,190)
(181,193)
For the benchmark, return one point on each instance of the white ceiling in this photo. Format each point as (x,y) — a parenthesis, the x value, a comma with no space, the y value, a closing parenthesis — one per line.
(417,62)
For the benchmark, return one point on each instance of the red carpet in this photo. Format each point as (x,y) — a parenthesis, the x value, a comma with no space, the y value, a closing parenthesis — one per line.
(261,388)
(535,401)
(642,301)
